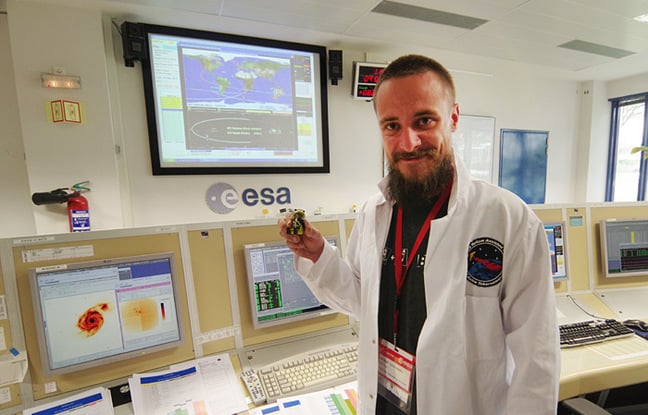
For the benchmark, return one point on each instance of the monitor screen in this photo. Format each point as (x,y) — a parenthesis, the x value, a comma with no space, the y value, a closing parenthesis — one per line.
(227,104)
(624,247)
(278,295)
(556,238)
(93,313)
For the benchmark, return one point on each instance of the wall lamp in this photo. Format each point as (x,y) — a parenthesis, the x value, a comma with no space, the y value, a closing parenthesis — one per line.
(53,80)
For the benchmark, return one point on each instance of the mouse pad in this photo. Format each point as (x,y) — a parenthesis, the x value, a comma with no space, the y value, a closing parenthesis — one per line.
(641,333)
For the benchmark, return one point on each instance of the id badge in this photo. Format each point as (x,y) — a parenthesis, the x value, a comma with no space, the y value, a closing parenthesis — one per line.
(395,375)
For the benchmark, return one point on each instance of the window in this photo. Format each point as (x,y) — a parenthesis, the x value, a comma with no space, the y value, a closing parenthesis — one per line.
(626,175)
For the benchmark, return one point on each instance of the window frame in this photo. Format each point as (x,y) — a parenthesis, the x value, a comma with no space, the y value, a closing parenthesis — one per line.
(616,103)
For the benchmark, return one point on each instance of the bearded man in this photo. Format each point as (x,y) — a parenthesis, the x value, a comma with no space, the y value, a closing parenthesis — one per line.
(449,276)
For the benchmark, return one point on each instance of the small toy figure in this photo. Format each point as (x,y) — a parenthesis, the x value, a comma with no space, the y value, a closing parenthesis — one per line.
(297,223)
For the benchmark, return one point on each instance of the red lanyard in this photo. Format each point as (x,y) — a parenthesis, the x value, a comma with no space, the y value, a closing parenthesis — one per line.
(398,249)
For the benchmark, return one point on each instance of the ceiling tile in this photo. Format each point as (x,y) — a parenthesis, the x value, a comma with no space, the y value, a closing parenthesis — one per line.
(625,8)
(525,31)
(199,6)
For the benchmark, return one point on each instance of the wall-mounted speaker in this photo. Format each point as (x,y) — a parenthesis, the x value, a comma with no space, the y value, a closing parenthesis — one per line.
(335,65)
(133,43)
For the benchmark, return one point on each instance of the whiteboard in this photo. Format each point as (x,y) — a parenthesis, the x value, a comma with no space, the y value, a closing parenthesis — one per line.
(473,142)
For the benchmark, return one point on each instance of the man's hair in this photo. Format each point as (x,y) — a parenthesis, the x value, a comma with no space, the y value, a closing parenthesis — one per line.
(413,65)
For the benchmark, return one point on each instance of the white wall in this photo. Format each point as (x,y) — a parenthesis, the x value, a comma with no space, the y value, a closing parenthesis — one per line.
(526,102)
(124,193)
(595,140)
(59,155)
(15,203)
(627,86)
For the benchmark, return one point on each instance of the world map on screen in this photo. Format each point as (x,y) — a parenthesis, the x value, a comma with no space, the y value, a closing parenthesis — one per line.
(214,79)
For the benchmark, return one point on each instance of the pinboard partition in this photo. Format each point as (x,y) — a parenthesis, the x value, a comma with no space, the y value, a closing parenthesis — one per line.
(243,235)
(211,285)
(53,251)
(5,336)
(613,211)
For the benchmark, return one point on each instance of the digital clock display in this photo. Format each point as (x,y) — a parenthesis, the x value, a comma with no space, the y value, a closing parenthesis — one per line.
(365,78)
(369,75)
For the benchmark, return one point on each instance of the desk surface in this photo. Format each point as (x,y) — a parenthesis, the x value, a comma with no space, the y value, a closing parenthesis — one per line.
(606,365)
(603,366)
(584,369)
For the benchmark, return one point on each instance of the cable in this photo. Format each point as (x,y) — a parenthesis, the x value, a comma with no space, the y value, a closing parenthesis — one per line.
(116,26)
(573,300)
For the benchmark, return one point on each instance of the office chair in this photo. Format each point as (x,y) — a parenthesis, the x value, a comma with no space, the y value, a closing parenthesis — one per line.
(581,406)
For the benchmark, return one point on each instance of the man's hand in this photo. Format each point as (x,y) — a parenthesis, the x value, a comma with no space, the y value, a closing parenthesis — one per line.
(309,245)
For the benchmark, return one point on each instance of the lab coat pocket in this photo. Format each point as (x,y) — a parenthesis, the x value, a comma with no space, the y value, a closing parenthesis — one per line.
(483,325)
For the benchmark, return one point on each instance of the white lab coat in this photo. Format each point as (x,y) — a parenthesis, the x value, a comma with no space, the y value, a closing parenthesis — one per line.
(482,350)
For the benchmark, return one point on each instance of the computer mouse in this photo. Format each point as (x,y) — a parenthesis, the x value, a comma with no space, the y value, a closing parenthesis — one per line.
(636,324)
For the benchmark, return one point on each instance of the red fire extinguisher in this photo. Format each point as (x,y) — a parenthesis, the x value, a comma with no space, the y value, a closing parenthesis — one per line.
(77,205)
(78,213)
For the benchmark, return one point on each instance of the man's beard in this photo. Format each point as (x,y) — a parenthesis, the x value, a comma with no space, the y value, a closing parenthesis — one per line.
(416,191)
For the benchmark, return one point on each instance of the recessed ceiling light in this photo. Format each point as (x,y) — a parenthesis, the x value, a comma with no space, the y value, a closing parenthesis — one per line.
(643,18)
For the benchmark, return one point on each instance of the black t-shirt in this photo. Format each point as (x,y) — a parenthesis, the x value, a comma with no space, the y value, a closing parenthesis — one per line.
(412,300)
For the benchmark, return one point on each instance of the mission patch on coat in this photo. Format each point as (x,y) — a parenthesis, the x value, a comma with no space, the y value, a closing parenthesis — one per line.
(485,256)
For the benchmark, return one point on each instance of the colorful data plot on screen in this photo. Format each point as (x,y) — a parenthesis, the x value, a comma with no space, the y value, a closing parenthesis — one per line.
(624,247)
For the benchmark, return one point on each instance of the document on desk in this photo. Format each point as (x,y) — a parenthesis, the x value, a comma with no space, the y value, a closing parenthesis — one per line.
(339,400)
(169,392)
(13,367)
(221,384)
(619,349)
(95,401)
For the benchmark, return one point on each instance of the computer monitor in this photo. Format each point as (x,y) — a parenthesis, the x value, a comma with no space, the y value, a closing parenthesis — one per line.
(94,313)
(219,103)
(555,233)
(624,247)
(278,295)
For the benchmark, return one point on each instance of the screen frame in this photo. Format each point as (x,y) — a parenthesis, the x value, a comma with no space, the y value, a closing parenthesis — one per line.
(151,108)
(565,276)
(43,346)
(326,310)
(603,228)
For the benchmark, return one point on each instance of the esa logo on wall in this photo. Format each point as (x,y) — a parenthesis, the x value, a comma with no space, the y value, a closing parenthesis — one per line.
(223,198)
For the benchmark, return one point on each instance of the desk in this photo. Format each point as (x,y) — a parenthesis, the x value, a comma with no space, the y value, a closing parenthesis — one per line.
(606,365)
(585,369)
(599,367)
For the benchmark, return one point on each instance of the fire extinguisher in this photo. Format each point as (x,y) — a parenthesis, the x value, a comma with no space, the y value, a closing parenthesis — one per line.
(78,213)
(77,205)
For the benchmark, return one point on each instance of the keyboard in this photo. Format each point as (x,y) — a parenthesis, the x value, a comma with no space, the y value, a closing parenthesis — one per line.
(588,332)
(310,371)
